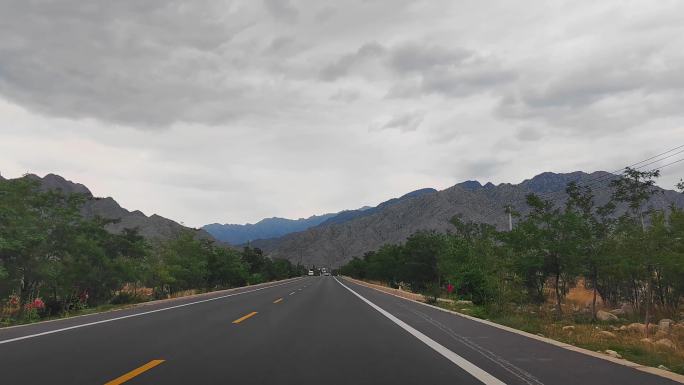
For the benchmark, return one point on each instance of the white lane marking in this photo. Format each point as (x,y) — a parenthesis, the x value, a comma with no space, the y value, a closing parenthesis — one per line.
(464,364)
(292,293)
(136,314)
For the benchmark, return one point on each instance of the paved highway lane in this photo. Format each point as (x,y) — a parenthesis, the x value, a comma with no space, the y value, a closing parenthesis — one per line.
(311,330)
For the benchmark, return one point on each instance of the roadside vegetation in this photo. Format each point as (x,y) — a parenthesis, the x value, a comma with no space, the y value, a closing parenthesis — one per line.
(54,262)
(575,272)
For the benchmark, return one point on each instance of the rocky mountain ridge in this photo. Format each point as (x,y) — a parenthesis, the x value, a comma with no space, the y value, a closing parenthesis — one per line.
(153,227)
(334,244)
(271,228)
(266,228)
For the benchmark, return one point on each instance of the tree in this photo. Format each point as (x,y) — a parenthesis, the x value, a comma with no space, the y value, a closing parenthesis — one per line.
(635,188)
(554,239)
(418,261)
(593,228)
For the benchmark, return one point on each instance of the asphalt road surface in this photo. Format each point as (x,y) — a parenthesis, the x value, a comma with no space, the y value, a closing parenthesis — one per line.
(314,330)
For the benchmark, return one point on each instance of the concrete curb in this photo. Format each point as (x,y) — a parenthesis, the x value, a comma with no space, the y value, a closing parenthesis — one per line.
(648,369)
(150,303)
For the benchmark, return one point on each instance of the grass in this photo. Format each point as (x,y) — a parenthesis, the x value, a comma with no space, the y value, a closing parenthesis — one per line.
(11,321)
(587,335)
(6,320)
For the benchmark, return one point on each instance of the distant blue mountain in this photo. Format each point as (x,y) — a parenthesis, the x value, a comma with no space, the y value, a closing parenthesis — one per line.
(348,215)
(264,229)
(277,227)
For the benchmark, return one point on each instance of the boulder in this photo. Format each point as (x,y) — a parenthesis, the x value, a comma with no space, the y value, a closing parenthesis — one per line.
(627,308)
(613,353)
(665,343)
(636,327)
(618,311)
(605,316)
(640,328)
(606,334)
(665,325)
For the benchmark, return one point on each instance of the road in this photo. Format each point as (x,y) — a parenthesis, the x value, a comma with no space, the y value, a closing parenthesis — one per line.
(304,331)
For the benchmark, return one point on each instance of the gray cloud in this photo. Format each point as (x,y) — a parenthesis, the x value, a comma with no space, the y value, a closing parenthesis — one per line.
(345,95)
(528,134)
(342,66)
(405,122)
(415,69)
(282,10)
(234,110)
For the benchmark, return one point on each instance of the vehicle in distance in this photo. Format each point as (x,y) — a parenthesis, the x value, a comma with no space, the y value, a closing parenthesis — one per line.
(311,272)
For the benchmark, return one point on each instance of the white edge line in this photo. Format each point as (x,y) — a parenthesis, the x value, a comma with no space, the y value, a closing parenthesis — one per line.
(464,364)
(643,368)
(136,314)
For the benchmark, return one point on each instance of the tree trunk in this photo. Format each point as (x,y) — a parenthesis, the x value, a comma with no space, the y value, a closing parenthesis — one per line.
(559,309)
(593,300)
(649,294)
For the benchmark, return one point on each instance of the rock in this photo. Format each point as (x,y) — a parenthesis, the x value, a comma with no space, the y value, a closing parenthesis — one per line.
(617,312)
(663,367)
(605,316)
(636,327)
(623,328)
(665,325)
(613,353)
(627,308)
(646,341)
(640,328)
(665,343)
(606,334)
(568,328)
(463,302)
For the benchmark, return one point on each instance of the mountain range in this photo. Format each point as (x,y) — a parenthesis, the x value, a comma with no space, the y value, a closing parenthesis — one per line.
(277,227)
(335,243)
(151,227)
(266,228)
(333,239)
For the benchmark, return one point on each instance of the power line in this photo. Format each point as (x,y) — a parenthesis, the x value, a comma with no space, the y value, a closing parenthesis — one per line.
(669,164)
(592,182)
(612,173)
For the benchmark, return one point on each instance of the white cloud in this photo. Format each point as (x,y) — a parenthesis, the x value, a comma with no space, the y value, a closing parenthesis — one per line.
(229,111)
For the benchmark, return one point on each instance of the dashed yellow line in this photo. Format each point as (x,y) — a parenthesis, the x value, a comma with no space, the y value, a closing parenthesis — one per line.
(278,300)
(135,372)
(252,314)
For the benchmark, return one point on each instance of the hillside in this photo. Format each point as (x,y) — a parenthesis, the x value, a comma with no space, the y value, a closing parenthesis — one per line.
(265,228)
(335,244)
(152,227)
(273,228)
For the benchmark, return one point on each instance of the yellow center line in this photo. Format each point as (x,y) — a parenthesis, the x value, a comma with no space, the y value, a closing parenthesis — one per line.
(135,372)
(252,314)
(278,300)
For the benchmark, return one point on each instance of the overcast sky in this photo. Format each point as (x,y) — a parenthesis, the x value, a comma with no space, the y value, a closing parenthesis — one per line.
(230,111)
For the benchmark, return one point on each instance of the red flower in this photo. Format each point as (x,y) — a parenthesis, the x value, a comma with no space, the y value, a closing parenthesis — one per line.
(38,303)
